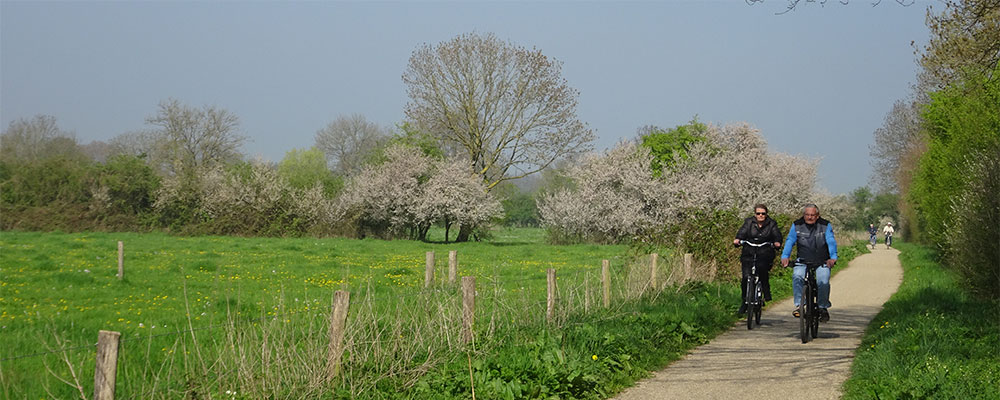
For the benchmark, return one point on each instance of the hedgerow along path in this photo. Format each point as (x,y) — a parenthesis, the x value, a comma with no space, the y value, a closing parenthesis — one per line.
(771,362)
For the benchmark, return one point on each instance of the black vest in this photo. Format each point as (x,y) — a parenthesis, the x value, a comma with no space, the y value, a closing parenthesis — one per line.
(811,240)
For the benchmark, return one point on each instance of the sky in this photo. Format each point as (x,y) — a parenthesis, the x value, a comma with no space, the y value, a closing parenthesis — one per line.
(816,81)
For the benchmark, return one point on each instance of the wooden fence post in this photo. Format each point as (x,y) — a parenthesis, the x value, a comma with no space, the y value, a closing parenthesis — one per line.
(606,281)
(121,260)
(429,271)
(452,266)
(550,303)
(688,259)
(338,325)
(468,307)
(653,258)
(106,370)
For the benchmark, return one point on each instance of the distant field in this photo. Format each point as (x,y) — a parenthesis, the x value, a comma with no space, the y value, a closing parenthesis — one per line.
(57,290)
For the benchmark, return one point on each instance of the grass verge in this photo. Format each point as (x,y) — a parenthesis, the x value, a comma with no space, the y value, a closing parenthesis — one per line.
(931,339)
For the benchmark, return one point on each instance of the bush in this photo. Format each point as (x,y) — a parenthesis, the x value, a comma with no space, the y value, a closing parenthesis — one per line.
(126,185)
(961,120)
(973,235)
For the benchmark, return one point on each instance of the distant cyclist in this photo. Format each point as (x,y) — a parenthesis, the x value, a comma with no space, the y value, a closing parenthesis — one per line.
(888,231)
(872,232)
(758,229)
(817,246)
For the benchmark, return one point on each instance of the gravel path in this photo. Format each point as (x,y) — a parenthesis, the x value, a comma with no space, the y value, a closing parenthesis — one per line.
(781,365)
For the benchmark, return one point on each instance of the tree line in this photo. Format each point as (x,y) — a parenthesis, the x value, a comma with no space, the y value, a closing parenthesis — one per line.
(482,114)
(938,149)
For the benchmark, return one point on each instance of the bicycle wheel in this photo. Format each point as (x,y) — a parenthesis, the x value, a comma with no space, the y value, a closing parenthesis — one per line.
(813,314)
(749,303)
(758,304)
(804,315)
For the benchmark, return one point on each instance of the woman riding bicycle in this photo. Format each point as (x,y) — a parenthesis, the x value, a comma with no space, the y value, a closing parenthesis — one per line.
(759,228)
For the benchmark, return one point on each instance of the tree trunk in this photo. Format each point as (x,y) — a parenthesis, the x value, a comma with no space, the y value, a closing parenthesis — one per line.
(447,227)
(463,233)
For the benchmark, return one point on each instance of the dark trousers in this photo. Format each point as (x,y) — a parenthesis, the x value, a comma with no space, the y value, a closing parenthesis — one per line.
(763,270)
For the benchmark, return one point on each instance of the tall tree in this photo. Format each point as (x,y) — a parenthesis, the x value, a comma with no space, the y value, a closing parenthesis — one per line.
(506,106)
(348,141)
(898,140)
(965,38)
(196,138)
(38,138)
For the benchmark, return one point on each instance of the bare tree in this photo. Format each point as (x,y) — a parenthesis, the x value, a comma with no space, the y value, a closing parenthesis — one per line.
(197,138)
(965,37)
(794,3)
(348,141)
(895,140)
(507,107)
(37,138)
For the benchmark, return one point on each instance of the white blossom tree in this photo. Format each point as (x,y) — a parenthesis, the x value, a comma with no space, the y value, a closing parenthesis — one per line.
(382,198)
(734,169)
(453,194)
(615,196)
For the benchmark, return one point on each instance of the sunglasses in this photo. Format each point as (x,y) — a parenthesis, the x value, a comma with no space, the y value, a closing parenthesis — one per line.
(763,213)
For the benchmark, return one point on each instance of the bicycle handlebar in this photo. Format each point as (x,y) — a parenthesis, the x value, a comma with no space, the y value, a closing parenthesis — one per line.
(748,243)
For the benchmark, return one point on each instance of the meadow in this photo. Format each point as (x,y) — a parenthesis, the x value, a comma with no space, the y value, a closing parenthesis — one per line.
(57,290)
(248,318)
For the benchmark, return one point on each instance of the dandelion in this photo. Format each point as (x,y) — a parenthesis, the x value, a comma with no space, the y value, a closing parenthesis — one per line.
(594,357)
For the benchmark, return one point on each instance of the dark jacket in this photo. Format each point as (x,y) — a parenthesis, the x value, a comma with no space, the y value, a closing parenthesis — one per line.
(767,233)
(816,242)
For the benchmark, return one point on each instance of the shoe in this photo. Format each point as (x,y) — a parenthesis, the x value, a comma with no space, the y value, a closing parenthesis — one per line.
(743,309)
(823,315)
(795,313)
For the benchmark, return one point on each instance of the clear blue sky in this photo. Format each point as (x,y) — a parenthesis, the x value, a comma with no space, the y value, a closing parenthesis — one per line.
(816,81)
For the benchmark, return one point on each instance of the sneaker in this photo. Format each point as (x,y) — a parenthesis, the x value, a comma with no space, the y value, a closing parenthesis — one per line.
(823,315)
(743,309)
(795,313)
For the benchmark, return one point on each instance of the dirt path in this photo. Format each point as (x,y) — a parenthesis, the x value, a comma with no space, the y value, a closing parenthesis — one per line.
(781,365)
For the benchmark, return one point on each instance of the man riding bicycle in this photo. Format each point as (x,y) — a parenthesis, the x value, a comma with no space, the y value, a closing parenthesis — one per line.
(872,232)
(888,231)
(817,246)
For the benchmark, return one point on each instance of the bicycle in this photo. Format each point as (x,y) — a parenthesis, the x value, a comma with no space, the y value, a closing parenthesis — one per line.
(808,307)
(872,240)
(754,291)
(888,240)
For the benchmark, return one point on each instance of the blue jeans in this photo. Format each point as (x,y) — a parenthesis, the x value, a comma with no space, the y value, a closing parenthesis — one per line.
(822,283)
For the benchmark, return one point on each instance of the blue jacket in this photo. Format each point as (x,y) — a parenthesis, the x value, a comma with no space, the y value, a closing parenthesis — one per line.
(816,242)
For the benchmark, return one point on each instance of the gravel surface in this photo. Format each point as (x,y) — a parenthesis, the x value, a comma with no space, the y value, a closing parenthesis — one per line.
(770,361)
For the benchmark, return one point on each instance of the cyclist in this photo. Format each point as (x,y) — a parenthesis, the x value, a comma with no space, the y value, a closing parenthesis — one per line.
(757,229)
(817,245)
(872,232)
(888,231)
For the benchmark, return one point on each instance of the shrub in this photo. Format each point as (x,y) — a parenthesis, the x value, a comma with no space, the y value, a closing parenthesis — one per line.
(973,235)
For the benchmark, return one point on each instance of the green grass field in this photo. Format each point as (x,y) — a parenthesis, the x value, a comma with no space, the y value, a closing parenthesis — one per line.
(57,290)
(247,318)
(930,341)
